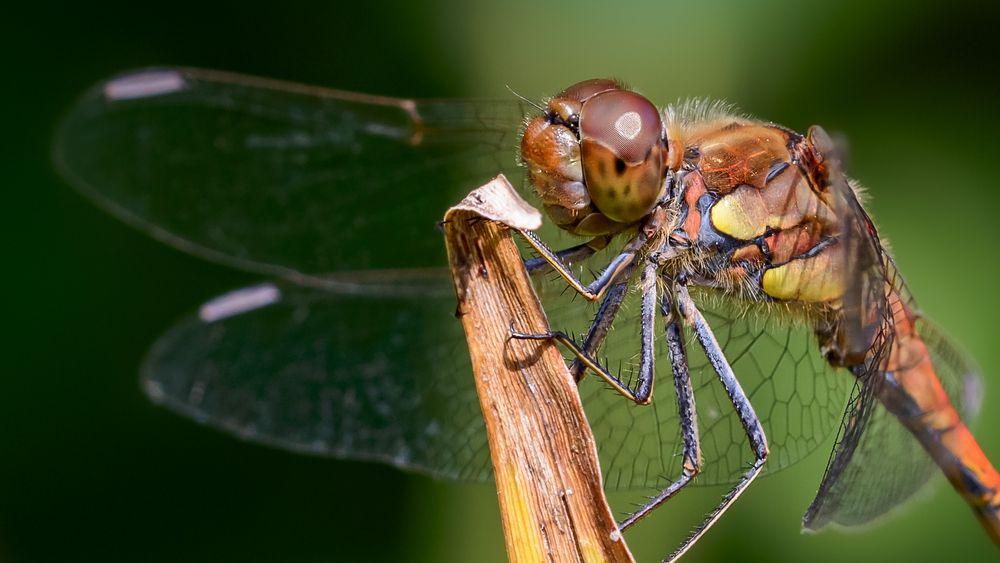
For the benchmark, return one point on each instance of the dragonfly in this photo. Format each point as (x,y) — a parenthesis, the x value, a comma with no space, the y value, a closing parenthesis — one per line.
(784,318)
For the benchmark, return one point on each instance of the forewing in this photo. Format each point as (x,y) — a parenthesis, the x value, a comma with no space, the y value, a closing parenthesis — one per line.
(278,177)
(357,374)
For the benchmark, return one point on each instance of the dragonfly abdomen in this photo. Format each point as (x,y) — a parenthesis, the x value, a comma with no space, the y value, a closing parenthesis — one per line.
(913,393)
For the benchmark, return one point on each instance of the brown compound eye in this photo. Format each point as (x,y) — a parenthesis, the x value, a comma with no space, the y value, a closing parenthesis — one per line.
(623,150)
(623,121)
(582,91)
(565,107)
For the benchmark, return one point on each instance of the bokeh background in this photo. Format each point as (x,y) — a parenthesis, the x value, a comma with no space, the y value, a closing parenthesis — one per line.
(91,471)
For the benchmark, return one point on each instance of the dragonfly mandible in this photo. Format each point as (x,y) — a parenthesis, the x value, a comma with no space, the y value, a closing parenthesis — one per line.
(745,239)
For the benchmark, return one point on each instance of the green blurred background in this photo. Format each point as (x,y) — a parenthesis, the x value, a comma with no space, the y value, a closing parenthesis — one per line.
(91,471)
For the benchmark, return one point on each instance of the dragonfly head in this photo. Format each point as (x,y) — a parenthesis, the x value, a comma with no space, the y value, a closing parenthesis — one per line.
(597,157)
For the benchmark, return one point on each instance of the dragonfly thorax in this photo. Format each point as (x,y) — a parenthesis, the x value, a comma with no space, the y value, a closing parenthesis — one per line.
(597,157)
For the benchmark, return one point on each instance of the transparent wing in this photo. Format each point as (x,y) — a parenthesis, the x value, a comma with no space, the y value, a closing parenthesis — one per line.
(876,464)
(361,375)
(798,396)
(378,370)
(278,177)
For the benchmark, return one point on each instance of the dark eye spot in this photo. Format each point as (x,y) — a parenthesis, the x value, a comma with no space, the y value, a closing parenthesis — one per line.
(619,166)
(627,190)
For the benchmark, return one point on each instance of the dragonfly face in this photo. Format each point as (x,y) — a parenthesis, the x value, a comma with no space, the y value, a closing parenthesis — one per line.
(746,236)
(597,158)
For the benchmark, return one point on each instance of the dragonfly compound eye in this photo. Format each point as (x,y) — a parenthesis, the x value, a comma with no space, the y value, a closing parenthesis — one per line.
(623,151)
(596,157)
(583,91)
(550,149)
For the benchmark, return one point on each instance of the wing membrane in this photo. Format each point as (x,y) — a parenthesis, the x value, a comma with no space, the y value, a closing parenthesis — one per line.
(878,465)
(368,373)
(350,375)
(278,177)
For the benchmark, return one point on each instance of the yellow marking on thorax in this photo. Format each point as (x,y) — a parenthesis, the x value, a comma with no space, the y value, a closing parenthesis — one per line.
(818,278)
(787,200)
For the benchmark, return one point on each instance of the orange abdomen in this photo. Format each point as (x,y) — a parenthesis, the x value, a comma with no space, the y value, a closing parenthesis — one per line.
(913,393)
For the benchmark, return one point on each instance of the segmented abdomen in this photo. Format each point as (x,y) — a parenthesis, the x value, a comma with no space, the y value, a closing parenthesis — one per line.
(913,393)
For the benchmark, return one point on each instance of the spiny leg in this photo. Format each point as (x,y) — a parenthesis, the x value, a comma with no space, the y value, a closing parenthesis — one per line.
(610,304)
(685,408)
(595,290)
(644,383)
(749,419)
(580,252)
(603,320)
(647,334)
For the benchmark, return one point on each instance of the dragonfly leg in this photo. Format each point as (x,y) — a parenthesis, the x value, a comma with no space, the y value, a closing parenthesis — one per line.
(541,265)
(598,331)
(595,290)
(686,409)
(751,423)
(643,391)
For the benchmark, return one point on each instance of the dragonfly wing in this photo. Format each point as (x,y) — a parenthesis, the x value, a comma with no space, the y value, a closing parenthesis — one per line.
(358,375)
(282,178)
(877,464)
(798,396)
(381,372)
